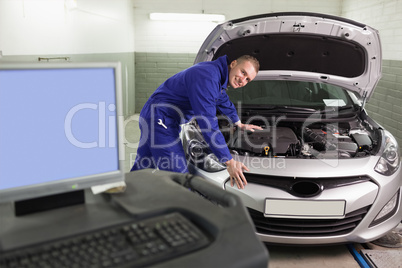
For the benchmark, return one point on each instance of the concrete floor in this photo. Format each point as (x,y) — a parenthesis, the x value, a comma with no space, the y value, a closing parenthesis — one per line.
(337,256)
(307,257)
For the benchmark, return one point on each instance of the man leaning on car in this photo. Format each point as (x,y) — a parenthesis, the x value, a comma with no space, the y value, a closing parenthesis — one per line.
(197,91)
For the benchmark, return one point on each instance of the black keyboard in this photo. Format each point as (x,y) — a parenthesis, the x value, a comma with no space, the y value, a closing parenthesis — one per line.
(136,244)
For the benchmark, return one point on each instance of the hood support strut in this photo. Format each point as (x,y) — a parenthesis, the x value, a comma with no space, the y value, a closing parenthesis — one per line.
(364,100)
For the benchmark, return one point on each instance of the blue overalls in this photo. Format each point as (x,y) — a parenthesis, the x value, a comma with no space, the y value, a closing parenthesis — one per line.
(197,91)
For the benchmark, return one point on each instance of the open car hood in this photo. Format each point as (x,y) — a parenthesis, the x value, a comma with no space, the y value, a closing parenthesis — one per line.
(302,46)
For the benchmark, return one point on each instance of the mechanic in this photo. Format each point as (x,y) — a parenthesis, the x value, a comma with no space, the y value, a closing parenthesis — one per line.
(197,91)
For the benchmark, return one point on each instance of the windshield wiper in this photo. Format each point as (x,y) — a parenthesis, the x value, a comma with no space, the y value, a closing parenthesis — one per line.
(295,108)
(281,108)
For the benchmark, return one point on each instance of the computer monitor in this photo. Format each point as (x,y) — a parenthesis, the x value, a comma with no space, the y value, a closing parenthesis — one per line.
(60,128)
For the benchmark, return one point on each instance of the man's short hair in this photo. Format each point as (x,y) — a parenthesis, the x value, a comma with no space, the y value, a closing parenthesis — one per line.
(251,59)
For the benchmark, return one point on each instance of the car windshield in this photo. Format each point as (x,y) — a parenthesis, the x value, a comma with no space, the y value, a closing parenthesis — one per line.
(297,94)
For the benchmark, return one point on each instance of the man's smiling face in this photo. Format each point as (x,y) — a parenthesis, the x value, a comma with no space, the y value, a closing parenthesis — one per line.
(241,73)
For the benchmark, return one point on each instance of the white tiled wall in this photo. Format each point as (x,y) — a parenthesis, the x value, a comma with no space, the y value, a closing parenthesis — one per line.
(385,16)
(45,27)
(179,37)
(174,37)
(104,26)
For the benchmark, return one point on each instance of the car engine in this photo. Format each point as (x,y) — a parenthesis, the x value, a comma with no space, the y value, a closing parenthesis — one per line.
(300,140)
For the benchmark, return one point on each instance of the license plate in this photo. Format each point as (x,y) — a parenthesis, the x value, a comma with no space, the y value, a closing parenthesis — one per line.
(285,208)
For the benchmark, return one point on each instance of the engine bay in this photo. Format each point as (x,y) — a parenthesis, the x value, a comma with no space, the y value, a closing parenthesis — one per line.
(356,138)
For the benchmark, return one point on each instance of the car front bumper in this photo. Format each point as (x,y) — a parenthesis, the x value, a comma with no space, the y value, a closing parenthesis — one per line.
(363,200)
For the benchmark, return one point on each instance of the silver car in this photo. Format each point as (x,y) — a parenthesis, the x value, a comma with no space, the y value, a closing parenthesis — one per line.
(321,170)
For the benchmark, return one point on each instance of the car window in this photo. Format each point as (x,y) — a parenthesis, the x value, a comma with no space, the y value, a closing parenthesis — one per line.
(290,93)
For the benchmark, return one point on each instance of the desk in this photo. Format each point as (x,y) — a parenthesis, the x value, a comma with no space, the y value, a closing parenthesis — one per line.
(148,193)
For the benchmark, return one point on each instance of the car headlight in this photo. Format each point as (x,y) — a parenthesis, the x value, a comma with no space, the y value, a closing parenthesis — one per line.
(390,159)
(212,164)
(201,156)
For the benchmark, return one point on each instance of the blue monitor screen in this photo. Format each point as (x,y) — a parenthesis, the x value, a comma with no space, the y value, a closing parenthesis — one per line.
(59,128)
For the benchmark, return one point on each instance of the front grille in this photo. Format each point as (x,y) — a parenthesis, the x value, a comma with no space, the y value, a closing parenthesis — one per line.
(285,183)
(307,227)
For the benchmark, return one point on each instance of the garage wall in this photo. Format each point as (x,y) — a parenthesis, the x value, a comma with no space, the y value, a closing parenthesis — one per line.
(152,69)
(160,45)
(385,16)
(385,106)
(80,30)
(186,37)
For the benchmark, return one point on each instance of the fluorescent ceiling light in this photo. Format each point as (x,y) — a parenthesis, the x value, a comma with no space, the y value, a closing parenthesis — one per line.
(187,17)
(70,4)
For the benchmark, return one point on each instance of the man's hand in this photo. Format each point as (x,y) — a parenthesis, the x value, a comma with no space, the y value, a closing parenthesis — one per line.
(235,170)
(248,127)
